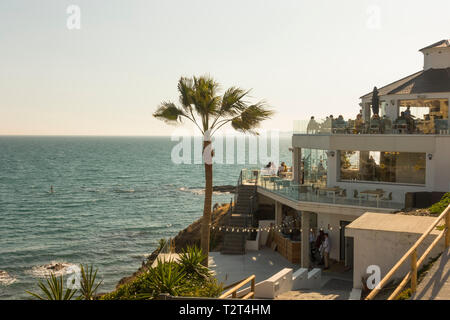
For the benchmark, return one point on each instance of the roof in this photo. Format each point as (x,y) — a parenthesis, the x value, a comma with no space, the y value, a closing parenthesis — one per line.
(425,81)
(392,223)
(440,44)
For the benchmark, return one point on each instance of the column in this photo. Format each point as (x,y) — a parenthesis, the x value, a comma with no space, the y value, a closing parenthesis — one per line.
(296,164)
(305,219)
(278,213)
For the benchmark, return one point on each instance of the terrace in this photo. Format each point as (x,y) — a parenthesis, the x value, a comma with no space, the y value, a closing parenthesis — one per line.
(285,187)
(413,116)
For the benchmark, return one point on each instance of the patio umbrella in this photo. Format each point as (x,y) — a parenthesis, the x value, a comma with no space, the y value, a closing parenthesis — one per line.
(375,101)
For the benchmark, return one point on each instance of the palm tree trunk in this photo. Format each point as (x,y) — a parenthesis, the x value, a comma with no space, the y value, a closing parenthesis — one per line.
(208,200)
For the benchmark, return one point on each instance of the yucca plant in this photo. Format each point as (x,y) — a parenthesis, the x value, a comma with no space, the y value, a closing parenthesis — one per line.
(88,285)
(190,261)
(166,277)
(55,289)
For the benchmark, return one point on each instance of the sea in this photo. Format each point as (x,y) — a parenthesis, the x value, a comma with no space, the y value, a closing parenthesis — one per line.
(102,201)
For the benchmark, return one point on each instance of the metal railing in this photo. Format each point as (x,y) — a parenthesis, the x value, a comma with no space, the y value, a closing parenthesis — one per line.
(412,254)
(232,289)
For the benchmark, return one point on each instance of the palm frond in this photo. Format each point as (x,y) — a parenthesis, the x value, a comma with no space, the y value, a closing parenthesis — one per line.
(251,118)
(169,113)
(232,101)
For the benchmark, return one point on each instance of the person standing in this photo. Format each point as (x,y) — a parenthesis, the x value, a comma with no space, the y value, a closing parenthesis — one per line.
(312,242)
(326,251)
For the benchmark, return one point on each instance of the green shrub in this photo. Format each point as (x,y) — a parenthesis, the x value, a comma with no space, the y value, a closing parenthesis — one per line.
(186,278)
(190,261)
(405,294)
(440,206)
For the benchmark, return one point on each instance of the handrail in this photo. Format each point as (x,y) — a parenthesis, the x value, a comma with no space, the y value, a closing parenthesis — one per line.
(237,286)
(415,263)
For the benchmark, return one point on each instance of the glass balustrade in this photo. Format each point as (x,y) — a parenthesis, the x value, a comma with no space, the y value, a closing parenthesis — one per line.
(285,187)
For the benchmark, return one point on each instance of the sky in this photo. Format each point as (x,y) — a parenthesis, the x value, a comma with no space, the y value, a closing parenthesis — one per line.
(107,78)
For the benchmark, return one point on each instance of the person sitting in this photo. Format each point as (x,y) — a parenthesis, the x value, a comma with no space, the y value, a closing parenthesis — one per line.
(359,123)
(282,169)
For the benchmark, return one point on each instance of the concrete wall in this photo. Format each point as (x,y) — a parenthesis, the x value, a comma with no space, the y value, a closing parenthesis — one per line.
(323,220)
(437,174)
(384,249)
(436,58)
(440,165)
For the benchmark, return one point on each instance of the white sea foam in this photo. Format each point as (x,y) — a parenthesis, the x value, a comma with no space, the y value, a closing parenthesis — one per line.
(200,191)
(6,279)
(55,267)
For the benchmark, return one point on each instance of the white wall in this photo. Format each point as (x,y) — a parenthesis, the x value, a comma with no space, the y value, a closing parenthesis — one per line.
(384,249)
(440,165)
(436,58)
(323,220)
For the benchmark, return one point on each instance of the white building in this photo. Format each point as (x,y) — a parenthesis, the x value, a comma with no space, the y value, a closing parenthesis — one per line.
(342,169)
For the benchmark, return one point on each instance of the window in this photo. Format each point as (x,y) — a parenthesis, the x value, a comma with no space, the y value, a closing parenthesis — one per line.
(380,166)
(314,167)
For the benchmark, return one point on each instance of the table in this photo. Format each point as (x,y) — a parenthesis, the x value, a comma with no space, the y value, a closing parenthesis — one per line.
(287,175)
(333,190)
(271,178)
(376,193)
(282,182)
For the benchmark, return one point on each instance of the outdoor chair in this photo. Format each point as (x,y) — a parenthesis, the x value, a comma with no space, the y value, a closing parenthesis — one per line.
(441,126)
(388,198)
(401,126)
(357,196)
(374,126)
(339,126)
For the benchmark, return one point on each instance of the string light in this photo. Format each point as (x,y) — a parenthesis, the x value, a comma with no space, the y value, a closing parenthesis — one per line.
(285,225)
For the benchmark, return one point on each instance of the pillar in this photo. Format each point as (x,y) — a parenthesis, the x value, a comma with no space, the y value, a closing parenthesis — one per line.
(296,164)
(278,213)
(305,251)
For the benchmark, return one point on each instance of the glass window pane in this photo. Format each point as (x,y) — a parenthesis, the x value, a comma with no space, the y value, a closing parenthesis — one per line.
(314,166)
(380,166)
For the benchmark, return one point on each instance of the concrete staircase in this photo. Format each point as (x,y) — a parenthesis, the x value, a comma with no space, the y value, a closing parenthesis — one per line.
(234,242)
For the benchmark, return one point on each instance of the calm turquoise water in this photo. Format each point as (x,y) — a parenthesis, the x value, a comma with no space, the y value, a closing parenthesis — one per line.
(113,199)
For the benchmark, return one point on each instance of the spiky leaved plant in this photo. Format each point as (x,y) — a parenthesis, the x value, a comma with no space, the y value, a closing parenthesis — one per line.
(190,261)
(88,285)
(54,290)
(166,277)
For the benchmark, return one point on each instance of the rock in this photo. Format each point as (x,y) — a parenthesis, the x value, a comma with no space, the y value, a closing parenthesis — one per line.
(225,188)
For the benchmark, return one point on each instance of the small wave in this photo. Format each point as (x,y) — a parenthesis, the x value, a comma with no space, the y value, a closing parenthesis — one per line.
(201,191)
(124,190)
(6,279)
(57,268)
(140,256)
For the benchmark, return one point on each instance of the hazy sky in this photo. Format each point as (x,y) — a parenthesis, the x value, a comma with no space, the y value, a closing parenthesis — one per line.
(304,57)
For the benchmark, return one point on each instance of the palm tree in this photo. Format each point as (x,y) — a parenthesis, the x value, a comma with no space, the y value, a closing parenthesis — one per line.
(201,104)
